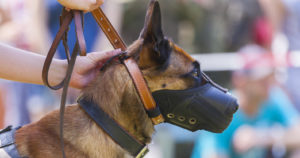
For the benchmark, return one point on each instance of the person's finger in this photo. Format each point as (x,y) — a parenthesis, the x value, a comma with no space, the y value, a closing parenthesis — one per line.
(74,4)
(97,57)
(85,5)
(97,4)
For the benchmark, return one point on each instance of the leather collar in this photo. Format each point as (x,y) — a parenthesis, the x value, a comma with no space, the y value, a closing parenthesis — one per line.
(113,129)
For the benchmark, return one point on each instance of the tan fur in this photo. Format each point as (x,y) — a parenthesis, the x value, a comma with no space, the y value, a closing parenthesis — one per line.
(114,91)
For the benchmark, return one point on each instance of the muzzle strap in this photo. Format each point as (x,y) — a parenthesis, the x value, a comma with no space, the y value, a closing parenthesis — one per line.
(152,113)
(207,79)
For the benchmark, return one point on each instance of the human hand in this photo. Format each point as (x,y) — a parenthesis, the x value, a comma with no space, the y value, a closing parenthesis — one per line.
(84,5)
(87,67)
(244,139)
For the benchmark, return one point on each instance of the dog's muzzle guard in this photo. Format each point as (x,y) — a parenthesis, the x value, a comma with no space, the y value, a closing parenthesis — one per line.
(207,107)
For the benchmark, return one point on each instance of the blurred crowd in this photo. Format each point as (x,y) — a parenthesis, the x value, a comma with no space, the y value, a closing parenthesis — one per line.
(267,123)
(263,32)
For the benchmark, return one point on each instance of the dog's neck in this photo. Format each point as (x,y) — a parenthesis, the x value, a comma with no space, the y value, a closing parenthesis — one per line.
(114,92)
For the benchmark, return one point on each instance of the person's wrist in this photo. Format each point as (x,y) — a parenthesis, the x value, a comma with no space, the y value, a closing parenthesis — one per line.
(278,144)
(263,136)
(57,71)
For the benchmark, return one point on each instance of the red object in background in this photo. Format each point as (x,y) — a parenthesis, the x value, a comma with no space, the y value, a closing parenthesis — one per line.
(258,60)
(262,32)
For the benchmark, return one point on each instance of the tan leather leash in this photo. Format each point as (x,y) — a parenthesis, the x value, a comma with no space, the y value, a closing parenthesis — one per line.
(79,47)
(131,66)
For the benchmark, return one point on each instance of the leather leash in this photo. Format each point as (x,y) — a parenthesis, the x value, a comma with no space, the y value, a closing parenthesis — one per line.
(79,47)
(131,66)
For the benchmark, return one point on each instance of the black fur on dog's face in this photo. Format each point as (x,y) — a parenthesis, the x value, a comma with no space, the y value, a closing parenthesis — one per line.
(163,64)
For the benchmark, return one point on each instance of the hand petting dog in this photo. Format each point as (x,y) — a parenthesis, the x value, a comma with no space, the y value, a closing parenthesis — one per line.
(87,67)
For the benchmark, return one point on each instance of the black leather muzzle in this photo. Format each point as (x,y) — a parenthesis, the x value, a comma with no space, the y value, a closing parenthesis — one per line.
(207,107)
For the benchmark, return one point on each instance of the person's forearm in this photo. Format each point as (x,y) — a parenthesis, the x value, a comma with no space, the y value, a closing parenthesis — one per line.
(291,137)
(24,66)
(278,135)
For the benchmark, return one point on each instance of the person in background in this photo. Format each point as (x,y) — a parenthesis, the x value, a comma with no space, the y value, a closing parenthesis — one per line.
(266,122)
(285,19)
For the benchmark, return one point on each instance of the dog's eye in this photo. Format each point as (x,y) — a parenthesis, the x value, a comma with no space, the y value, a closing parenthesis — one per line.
(196,75)
(195,72)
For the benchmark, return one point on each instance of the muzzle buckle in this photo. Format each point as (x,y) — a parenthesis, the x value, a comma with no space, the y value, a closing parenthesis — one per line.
(143,152)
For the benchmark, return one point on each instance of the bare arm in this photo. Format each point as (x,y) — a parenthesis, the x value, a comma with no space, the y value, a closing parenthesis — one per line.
(23,66)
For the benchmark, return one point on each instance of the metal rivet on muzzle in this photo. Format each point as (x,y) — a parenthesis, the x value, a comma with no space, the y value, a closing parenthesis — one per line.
(192,121)
(181,118)
(170,115)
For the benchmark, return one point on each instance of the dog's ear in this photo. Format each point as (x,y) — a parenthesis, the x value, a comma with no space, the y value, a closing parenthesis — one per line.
(157,47)
(152,27)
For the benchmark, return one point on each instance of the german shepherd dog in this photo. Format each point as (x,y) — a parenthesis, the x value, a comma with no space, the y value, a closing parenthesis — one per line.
(114,91)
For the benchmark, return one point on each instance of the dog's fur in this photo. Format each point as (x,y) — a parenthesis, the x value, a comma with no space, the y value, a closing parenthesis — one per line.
(163,68)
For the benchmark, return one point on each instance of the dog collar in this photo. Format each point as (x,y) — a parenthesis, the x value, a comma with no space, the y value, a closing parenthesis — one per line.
(113,129)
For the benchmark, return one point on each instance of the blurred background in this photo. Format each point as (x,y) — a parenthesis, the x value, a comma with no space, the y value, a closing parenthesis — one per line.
(251,47)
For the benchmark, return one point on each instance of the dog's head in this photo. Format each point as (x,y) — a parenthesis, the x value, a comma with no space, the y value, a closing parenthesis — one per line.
(185,95)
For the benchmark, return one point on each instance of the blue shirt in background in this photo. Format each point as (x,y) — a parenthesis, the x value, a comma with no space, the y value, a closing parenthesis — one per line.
(276,110)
